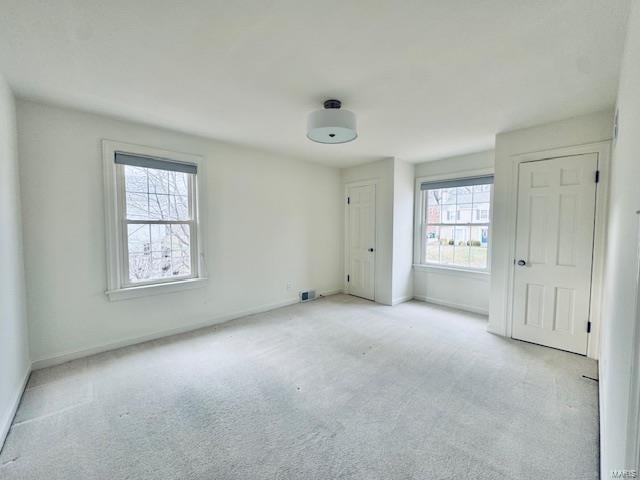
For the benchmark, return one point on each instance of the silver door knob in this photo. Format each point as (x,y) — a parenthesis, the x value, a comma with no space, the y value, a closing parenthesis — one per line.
(371,249)
(522,263)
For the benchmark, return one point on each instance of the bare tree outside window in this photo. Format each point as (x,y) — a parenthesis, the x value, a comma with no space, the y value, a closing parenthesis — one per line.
(159,218)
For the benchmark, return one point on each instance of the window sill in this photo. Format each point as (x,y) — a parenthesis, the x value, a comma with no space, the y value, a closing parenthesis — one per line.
(161,288)
(465,272)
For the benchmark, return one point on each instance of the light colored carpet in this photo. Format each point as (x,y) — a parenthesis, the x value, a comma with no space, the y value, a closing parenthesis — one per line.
(338,388)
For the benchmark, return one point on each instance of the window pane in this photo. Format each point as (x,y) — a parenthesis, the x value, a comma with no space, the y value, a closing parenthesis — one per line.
(178,183)
(446,254)
(153,194)
(448,196)
(433,214)
(180,249)
(432,244)
(478,257)
(478,237)
(433,253)
(464,195)
(139,237)
(480,213)
(158,181)
(481,193)
(158,251)
(446,235)
(160,264)
(179,207)
(433,235)
(139,267)
(135,179)
(447,243)
(158,206)
(461,254)
(448,214)
(478,247)
(463,214)
(180,237)
(137,206)
(181,262)
(434,197)
(160,238)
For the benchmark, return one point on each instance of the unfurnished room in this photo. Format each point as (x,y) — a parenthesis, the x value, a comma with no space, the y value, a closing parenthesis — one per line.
(357,240)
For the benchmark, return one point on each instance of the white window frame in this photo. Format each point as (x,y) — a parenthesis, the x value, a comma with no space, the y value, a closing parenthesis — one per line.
(420,226)
(119,286)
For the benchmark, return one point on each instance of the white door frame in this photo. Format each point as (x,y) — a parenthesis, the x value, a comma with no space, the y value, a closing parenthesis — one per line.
(347,239)
(603,151)
(633,421)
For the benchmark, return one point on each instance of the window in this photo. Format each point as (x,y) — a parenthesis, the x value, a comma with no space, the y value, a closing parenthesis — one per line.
(455,222)
(153,236)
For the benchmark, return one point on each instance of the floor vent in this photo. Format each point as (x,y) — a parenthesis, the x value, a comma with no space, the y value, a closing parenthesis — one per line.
(307,295)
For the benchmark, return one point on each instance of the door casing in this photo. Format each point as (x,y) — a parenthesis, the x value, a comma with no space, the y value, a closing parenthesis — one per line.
(633,423)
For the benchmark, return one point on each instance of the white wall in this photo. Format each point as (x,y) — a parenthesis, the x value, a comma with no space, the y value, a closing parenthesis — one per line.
(591,128)
(464,290)
(269,221)
(14,351)
(619,315)
(460,164)
(382,172)
(403,184)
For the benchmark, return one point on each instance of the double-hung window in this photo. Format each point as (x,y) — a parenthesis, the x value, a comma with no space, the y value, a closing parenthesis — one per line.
(455,222)
(153,211)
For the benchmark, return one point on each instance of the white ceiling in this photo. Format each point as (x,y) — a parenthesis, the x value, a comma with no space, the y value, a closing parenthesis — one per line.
(427,78)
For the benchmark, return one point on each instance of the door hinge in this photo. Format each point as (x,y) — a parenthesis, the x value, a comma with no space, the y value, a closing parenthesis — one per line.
(588,327)
(348,200)
(348,278)
(597,176)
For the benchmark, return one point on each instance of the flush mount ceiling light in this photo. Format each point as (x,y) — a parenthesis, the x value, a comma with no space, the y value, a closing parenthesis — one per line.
(332,125)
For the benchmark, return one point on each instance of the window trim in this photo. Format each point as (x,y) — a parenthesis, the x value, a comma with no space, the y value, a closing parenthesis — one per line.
(420,228)
(118,287)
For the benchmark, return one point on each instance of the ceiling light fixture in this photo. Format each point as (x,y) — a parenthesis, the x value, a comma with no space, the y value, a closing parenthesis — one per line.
(332,125)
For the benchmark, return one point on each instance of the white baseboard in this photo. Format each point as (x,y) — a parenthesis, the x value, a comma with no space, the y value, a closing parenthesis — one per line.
(458,306)
(397,301)
(8,420)
(76,354)
(330,292)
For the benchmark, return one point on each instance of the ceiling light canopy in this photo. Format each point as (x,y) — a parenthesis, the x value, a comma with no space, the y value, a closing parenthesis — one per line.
(332,125)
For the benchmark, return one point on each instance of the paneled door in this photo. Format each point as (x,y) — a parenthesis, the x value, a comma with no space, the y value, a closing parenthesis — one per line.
(554,251)
(361,236)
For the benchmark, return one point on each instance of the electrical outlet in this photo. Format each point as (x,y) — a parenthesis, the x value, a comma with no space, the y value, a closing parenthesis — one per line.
(289,286)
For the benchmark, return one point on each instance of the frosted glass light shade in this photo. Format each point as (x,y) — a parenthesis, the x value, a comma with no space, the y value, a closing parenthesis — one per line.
(332,125)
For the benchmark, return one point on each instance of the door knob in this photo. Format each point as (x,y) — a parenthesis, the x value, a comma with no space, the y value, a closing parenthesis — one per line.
(371,249)
(522,263)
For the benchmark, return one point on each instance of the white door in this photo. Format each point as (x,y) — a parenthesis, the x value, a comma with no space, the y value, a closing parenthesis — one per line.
(554,250)
(361,235)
